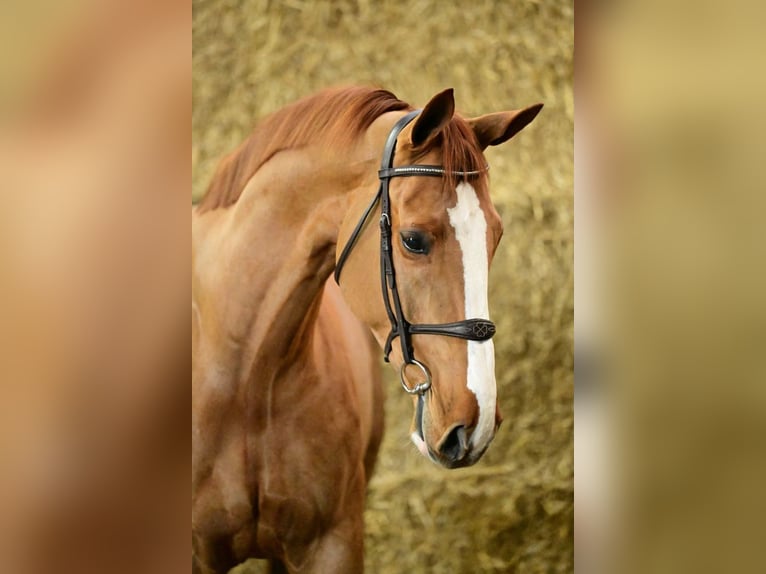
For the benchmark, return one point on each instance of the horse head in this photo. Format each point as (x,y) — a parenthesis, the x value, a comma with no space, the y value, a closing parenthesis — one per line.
(438,237)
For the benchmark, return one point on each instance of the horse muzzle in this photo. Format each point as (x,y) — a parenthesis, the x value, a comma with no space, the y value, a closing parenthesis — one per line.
(453,449)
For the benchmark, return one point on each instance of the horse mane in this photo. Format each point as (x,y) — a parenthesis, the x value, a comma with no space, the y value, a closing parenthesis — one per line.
(333,117)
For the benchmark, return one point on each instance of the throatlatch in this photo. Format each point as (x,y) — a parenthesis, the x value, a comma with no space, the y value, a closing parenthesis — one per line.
(470,329)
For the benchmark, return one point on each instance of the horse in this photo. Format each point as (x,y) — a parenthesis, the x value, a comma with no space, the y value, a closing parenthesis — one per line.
(287,402)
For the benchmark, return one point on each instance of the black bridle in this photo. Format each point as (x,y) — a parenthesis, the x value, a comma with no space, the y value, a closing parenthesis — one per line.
(470,329)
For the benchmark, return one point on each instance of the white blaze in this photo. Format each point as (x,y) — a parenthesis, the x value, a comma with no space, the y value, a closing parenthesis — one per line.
(470,226)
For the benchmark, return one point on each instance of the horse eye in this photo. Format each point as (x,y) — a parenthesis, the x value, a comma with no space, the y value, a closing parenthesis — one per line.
(415,242)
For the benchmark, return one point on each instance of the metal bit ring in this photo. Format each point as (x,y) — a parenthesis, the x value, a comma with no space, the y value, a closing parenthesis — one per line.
(419,388)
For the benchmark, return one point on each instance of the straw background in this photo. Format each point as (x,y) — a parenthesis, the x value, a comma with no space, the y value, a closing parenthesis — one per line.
(513,511)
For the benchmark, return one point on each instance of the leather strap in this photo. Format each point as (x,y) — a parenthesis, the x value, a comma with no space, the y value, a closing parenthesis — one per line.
(470,329)
(388,149)
(432,170)
(354,236)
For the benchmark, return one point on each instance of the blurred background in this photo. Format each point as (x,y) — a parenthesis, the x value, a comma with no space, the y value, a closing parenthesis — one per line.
(512,512)
(671,313)
(94,267)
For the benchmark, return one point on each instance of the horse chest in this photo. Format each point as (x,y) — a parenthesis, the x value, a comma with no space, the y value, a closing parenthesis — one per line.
(310,461)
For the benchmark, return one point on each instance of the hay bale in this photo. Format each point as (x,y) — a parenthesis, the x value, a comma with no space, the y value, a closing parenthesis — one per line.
(513,512)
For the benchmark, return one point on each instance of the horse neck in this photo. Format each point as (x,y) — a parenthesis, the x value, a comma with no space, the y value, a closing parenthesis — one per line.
(260,265)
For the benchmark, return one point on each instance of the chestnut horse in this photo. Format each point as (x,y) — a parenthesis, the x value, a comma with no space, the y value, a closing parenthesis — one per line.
(287,409)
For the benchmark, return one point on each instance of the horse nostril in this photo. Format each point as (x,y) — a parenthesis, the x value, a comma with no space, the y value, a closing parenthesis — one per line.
(455,445)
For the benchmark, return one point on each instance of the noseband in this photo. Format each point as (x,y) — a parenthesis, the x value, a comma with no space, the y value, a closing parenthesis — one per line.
(470,329)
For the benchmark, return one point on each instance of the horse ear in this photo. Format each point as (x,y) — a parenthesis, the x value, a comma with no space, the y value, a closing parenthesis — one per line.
(497,128)
(433,119)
